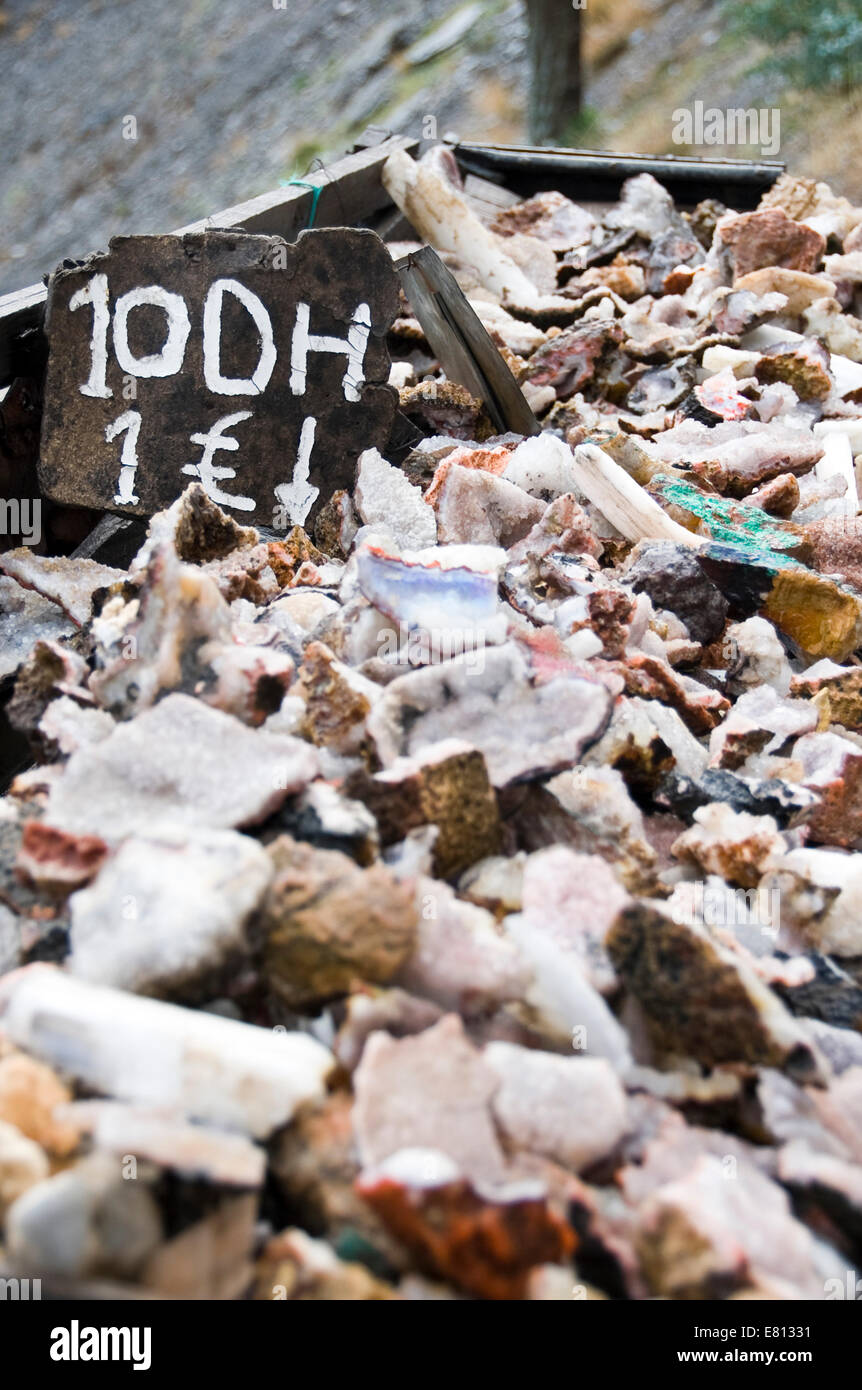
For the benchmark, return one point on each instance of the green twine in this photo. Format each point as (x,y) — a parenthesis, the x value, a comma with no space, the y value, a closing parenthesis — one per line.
(316,189)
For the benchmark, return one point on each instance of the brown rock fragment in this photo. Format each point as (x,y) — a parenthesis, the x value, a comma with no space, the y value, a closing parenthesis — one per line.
(703,1236)
(832,767)
(733,844)
(29,1092)
(800,289)
(485,1245)
(289,555)
(625,279)
(549,216)
(571,361)
(837,692)
(56,860)
(315,1164)
(446,785)
(652,679)
(779,497)
(336,525)
(770,237)
(564,527)
(610,614)
(211,1259)
(761,720)
(51,670)
(803,365)
(336,700)
(296,1267)
(700,1000)
(797,195)
(827,1189)
(203,531)
(22,1165)
(443,407)
(328,922)
(823,617)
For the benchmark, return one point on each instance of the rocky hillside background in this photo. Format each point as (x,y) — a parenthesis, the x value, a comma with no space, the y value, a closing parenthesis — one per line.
(231,96)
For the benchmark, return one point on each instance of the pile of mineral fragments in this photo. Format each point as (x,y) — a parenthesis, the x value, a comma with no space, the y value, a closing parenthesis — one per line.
(460,899)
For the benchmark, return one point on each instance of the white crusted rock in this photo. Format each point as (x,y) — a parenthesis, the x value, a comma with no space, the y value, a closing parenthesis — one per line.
(302,609)
(179,633)
(200,1152)
(25,619)
(821,897)
(594,814)
(733,844)
(761,722)
(543,466)
(758,656)
(832,768)
(68,583)
(569,1109)
(72,726)
(432,1091)
(385,497)
(485,697)
(574,898)
(167,909)
(639,730)
(208,1068)
(474,505)
(182,763)
(565,1005)
(461,961)
(85,1221)
(702,1234)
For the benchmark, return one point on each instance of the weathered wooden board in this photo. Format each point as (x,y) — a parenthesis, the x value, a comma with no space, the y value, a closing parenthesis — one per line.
(256,367)
(460,341)
(19,310)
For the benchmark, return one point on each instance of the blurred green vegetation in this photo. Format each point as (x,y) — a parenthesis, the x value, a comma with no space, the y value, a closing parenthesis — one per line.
(814,43)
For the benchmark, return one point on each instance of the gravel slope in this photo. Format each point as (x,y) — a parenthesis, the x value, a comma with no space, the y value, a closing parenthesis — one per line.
(229,96)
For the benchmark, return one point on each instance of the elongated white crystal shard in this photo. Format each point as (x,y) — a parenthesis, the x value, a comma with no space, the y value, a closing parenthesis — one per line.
(200,1065)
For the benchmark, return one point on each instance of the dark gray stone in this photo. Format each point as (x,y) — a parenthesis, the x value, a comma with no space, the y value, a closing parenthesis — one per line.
(672,577)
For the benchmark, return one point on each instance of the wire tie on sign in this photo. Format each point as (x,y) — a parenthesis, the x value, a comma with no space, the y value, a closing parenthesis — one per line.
(316,190)
(317,166)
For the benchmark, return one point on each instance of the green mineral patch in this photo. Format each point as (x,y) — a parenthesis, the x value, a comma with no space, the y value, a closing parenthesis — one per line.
(730,523)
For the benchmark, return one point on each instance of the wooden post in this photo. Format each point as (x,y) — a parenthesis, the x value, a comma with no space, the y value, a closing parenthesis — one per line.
(554,52)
